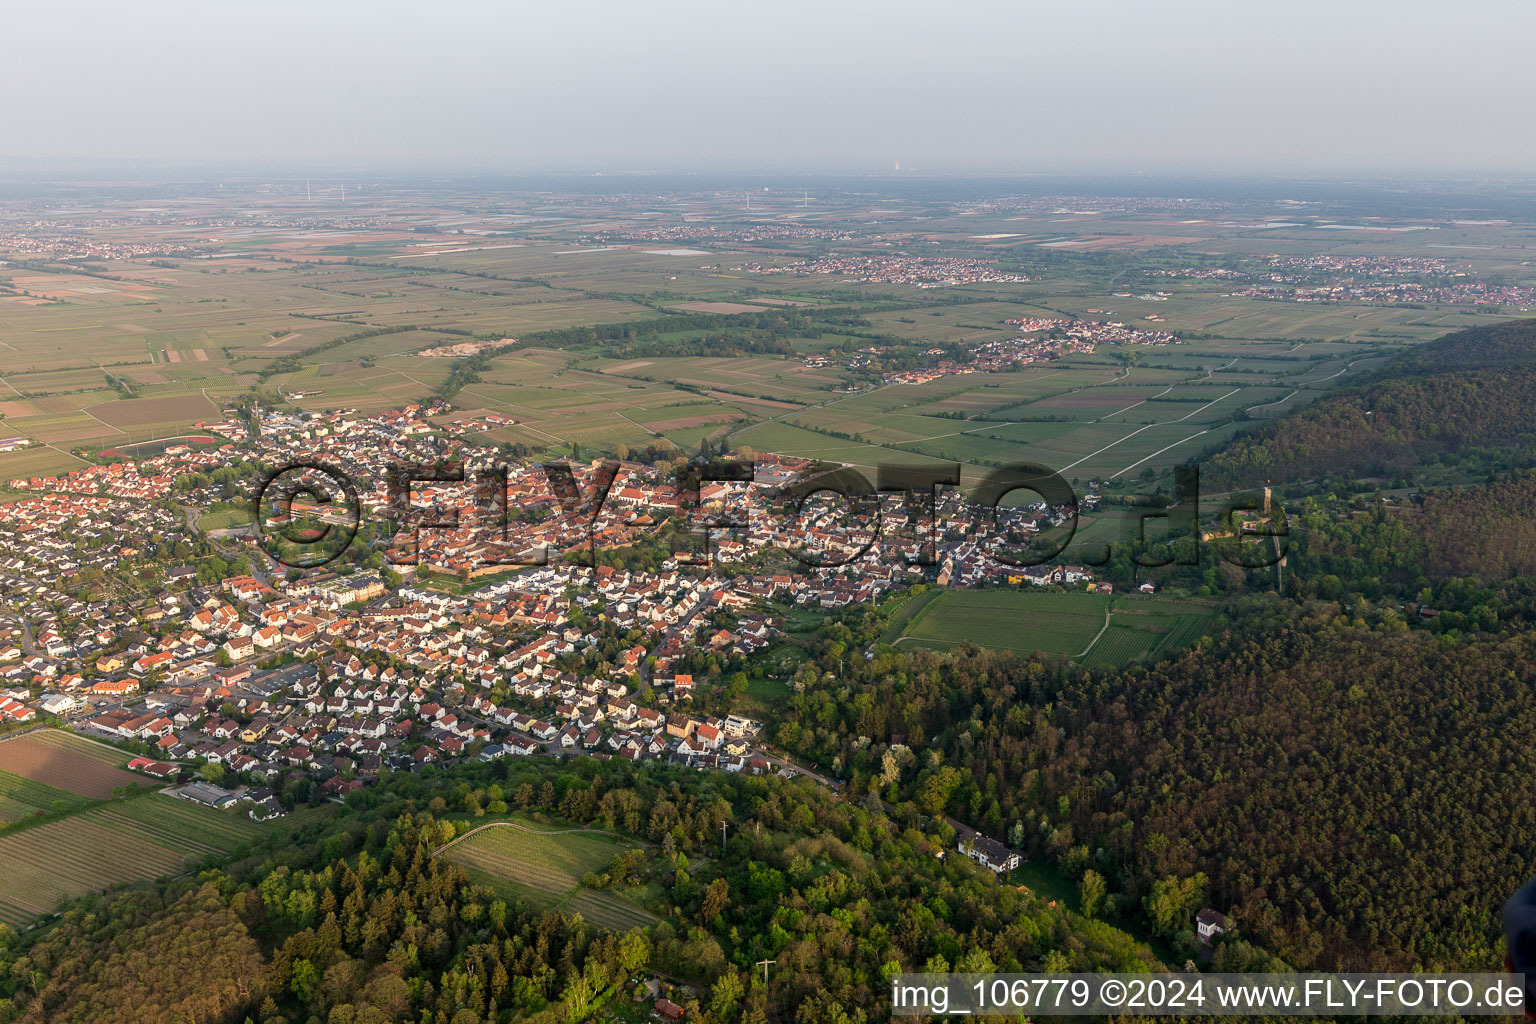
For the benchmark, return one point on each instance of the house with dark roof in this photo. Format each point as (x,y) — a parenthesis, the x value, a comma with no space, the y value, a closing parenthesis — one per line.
(989,853)
(1210,925)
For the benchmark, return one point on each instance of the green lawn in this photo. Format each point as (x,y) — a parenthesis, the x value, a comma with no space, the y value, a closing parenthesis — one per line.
(765,694)
(1046,881)
(767,691)
(1026,621)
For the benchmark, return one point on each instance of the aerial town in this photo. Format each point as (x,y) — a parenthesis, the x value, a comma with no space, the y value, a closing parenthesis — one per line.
(923,581)
(243,678)
(638,514)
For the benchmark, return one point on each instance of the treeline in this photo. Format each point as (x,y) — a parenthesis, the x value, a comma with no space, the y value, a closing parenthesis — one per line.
(467,371)
(778,322)
(294,361)
(744,333)
(748,342)
(122,385)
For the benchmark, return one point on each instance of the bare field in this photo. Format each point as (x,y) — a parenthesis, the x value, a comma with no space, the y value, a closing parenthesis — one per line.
(65,762)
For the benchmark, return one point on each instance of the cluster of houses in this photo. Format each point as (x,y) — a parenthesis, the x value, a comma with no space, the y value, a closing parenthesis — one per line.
(900,268)
(1089,334)
(1052,575)
(336,676)
(339,722)
(13,710)
(50,540)
(127,480)
(1038,339)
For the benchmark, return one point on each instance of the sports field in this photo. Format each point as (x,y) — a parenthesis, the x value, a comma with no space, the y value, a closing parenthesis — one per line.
(223,519)
(1010,620)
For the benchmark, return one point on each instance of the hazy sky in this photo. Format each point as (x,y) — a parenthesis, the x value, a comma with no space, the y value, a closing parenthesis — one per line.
(1207,86)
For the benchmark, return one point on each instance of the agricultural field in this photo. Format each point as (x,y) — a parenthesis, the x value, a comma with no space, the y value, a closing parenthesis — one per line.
(1150,627)
(192,829)
(608,911)
(154,413)
(103,416)
(904,608)
(1087,420)
(545,868)
(21,798)
(114,843)
(37,461)
(555,401)
(149,449)
(764,379)
(61,427)
(297,314)
(972,322)
(73,856)
(1099,529)
(67,762)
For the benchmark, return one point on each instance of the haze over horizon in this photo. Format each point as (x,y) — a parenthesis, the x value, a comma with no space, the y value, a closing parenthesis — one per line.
(1195,87)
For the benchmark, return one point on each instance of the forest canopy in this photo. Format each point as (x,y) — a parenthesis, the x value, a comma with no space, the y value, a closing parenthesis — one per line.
(1470,390)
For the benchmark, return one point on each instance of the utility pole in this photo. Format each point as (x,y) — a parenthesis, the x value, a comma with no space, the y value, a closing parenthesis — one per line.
(722,837)
(764,965)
